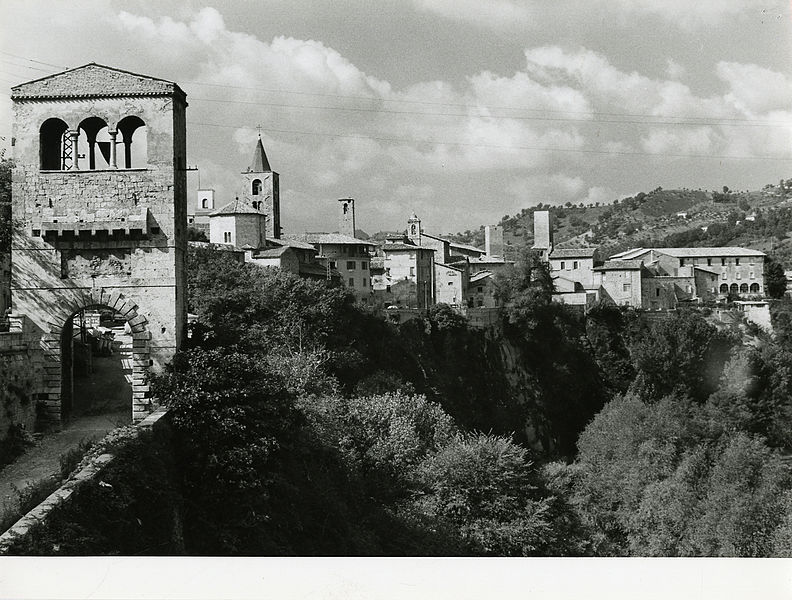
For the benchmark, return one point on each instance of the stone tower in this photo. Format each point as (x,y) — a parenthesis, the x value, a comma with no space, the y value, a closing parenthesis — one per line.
(414,229)
(100,210)
(261,190)
(346,216)
(543,233)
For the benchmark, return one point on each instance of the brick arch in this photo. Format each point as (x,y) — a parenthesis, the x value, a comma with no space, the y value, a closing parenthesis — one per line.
(141,362)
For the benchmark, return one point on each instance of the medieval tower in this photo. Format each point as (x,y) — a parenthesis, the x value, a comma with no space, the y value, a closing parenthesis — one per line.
(261,190)
(99,210)
(346,216)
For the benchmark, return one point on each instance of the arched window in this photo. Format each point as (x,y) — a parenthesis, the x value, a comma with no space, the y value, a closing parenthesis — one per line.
(133,155)
(412,229)
(724,288)
(53,155)
(256,187)
(734,289)
(257,204)
(205,203)
(93,144)
(754,288)
(744,288)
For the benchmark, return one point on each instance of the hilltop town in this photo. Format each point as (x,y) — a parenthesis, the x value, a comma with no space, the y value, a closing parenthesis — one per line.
(345,375)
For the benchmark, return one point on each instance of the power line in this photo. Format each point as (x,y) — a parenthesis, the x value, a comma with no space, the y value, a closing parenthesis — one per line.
(13,64)
(498,146)
(485,116)
(476,105)
(33,60)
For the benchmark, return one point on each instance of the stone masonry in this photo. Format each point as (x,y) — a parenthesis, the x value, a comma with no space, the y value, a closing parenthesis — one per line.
(90,228)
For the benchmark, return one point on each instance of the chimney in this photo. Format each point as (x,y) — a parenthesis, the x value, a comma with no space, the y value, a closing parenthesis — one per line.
(493,240)
(346,216)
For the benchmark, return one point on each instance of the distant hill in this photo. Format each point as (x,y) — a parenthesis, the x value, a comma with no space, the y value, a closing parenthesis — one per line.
(679,217)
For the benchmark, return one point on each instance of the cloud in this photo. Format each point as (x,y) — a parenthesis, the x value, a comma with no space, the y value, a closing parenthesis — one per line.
(691,15)
(494,14)
(700,140)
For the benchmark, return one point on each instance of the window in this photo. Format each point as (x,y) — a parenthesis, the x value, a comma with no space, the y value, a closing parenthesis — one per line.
(738,275)
(450,283)
(364,265)
(332,264)
(737,261)
(205,203)
(350,265)
(227,237)
(657,292)
(723,262)
(563,265)
(480,289)
(752,275)
(724,288)
(55,145)
(364,282)
(724,275)
(257,204)
(94,144)
(412,271)
(626,287)
(133,155)
(744,288)
(387,288)
(681,262)
(255,187)
(709,262)
(751,261)
(575,265)
(734,288)
(351,282)
(754,288)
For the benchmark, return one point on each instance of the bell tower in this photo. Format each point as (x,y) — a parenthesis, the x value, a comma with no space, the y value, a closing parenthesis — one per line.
(414,229)
(261,190)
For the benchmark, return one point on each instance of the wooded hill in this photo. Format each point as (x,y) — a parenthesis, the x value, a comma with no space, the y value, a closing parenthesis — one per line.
(760,219)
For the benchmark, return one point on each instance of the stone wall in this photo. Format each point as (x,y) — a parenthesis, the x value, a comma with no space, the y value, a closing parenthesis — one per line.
(21,377)
(102,238)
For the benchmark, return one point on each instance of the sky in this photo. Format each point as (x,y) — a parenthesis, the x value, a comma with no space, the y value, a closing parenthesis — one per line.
(461,111)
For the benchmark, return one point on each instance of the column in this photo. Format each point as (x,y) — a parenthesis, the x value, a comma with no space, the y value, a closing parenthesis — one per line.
(75,149)
(113,158)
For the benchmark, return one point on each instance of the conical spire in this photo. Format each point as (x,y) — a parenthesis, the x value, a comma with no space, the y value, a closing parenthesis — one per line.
(260,162)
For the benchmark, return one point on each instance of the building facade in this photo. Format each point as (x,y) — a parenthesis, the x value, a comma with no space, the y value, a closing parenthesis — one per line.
(99,209)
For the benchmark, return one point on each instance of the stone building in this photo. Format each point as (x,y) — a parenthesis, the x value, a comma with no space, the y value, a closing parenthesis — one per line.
(408,278)
(740,270)
(239,224)
(99,208)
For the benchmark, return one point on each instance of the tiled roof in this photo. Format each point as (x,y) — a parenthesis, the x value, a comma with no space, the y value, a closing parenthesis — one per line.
(260,163)
(705,252)
(691,252)
(619,265)
(93,81)
(479,276)
(237,207)
(397,246)
(271,252)
(572,252)
(466,247)
(332,238)
(292,243)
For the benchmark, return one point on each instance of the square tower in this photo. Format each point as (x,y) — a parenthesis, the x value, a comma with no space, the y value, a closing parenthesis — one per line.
(99,208)
(261,190)
(346,216)
(543,233)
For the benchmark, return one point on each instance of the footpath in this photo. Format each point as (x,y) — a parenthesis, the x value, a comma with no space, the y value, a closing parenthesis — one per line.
(102,402)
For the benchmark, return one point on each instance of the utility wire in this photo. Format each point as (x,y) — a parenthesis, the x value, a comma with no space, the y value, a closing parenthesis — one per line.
(498,146)
(485,116)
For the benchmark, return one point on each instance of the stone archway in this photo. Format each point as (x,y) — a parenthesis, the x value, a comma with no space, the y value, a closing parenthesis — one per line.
(141,362)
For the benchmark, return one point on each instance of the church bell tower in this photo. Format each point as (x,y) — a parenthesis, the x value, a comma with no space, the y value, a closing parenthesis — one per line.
(262,190)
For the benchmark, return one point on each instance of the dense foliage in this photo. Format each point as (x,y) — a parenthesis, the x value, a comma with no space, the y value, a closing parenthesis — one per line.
(305,425)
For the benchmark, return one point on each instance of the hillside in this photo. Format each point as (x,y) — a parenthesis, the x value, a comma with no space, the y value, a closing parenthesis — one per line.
(760,219)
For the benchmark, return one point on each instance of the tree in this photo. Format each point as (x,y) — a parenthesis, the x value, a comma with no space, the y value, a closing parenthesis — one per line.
(775,280)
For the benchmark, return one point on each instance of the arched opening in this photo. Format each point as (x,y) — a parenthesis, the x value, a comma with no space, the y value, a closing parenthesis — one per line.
(734,289)
(744,288)
(256,187)
(97,366)
(754,288)
(52,146)
(205,203)
(94,143)
(257,204)
(724,288)
(133,155)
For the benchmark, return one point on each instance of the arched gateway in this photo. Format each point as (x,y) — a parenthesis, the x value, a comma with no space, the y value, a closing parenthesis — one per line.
(99,210)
